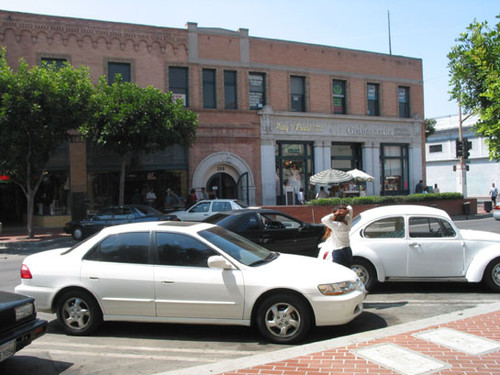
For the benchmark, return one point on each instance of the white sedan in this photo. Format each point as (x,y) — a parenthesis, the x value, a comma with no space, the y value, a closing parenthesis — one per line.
(206,208)
(180,272)
(420,243)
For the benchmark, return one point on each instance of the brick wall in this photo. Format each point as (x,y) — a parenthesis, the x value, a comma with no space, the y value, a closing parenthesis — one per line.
(313,214)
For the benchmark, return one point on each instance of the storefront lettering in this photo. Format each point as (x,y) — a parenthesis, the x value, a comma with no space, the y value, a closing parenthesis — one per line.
(384,132)
(299,127)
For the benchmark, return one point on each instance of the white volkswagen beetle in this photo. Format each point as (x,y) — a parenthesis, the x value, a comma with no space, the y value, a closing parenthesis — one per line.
(421,243)
(184,272)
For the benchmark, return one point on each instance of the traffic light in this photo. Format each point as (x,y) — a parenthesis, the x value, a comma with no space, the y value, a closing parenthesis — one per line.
(459,146)
(467,145)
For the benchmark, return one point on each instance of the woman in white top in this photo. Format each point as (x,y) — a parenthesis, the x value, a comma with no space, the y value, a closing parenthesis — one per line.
(336,246)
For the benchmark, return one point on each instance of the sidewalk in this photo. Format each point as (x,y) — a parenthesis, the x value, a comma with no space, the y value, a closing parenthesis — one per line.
(463,342)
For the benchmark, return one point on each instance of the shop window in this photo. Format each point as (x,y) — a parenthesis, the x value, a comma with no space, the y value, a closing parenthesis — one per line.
(373,99)
(339,97)
(404,101)
(298,93)
(294,166)
(230,90)
(178,83)
(257,92)
(124,69)
(209,100)
(395,166)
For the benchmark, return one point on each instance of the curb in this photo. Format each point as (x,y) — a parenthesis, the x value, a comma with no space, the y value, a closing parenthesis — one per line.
(307,349)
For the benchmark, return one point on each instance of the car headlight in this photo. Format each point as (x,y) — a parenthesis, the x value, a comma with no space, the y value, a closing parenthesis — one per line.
(344,287)
(24,310)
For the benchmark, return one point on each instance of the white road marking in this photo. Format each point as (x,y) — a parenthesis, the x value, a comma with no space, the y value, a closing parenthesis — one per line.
(402,360)
(460,341)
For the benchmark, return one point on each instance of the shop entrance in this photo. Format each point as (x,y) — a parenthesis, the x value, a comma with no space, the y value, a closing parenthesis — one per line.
(222,185)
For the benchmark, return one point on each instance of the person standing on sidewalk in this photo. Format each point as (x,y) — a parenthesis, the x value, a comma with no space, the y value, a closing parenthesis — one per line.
(493,193)
(336,246)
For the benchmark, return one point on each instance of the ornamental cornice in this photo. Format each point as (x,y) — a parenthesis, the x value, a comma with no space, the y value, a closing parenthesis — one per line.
(68,29)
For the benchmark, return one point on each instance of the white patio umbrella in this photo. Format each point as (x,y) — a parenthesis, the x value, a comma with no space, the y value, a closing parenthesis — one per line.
(360,175)
(330,176)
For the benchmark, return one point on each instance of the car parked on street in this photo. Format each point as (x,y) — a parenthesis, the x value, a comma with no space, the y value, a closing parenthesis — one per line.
(272,229)
(19,325)
(208,207)
(421,243)
(184,272)
(496,212)
(114,215)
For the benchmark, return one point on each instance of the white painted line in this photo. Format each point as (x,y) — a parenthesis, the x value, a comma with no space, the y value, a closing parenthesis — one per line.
(460,341)
(402,360)
(122,355)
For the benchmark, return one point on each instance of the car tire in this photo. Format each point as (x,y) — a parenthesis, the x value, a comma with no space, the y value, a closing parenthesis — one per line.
(78,233)
(365,271)
(283,318)
(79,313)
(491,276)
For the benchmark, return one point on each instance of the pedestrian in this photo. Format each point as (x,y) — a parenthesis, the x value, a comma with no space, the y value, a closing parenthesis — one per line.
(336,246)
(191,198)
(151,197)
(419,189)
(493,193)
(436,189)
(301,196)
(322,193)
(204,194)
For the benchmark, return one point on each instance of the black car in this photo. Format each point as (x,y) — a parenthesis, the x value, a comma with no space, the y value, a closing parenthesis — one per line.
(272,229)
(115,215)
(19,325)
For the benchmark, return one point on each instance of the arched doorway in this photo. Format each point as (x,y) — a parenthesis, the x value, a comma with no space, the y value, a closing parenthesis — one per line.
(223,185)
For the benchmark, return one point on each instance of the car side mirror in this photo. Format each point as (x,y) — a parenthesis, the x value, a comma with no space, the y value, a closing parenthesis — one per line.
(218,261)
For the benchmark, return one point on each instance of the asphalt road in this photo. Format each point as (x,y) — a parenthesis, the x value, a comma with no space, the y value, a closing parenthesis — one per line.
(135,348)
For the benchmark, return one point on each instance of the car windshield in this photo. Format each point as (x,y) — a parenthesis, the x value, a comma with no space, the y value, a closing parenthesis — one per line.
(241,249)
(145,210)
(242,204)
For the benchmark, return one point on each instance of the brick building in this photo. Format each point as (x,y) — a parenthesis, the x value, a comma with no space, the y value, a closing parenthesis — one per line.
(271,112)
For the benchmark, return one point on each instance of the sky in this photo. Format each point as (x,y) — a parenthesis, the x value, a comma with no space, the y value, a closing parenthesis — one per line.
(425,29)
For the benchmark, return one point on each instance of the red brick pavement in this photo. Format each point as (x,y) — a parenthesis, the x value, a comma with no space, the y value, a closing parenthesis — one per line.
(343,361)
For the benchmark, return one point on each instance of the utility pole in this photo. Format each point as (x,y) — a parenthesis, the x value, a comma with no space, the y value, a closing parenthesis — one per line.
(389,28)
(462,146)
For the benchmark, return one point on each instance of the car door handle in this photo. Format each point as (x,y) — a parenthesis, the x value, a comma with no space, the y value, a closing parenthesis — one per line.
(167,282)
(414,244)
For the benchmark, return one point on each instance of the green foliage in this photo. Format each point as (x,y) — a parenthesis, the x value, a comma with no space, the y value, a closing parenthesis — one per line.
(38,106)
(127,118)
(474,65)
(430,127)
(400,199)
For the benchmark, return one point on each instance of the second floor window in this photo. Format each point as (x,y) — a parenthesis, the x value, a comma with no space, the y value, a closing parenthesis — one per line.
(339,97)
(123,69)
(404,101)
(298,94)
(230,92)
(178,83)
(373,99)
(58,62)
(257,94)
(209,100)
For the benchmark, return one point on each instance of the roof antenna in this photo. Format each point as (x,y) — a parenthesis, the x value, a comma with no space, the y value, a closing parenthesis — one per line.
(389,27)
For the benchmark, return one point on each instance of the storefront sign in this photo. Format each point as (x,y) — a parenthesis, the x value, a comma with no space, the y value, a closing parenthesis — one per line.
(287,127)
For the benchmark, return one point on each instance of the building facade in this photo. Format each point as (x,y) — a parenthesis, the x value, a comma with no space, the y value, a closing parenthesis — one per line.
(271,112)
(441,159)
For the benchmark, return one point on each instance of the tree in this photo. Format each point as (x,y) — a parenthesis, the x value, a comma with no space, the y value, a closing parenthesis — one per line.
(128,119)
(38,107)
(430,127)
(474,65)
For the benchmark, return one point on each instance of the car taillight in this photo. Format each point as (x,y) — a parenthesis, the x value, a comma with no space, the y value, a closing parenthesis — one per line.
(25,272)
